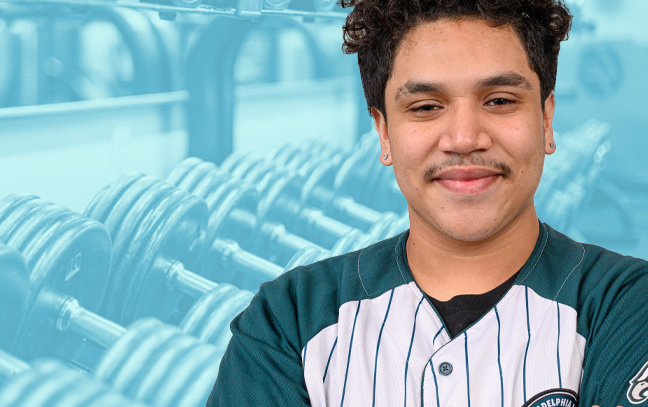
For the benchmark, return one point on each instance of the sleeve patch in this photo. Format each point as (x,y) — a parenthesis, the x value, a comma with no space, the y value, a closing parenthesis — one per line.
(638,390)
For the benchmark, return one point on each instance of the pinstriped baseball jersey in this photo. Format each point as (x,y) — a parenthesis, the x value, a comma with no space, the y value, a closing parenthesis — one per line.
(356,330)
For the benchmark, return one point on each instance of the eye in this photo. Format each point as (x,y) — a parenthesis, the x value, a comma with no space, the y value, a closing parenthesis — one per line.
(425,108)
(500,102)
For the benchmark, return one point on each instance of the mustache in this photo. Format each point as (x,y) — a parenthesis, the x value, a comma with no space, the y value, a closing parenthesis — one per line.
(433,171)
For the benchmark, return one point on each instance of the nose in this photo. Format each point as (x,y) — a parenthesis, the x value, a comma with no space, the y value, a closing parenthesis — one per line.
(464,131)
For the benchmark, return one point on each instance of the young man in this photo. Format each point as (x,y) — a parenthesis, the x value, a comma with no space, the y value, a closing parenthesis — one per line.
(478,303)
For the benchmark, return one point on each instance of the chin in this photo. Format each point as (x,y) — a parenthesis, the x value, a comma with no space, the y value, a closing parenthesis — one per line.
(468,228)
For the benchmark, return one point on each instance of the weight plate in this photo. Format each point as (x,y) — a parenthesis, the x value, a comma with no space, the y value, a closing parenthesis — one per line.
(290,156)
(210,316)
(353,177)
(181,171)
(68,255)
(306,256)
(14,292)
(354,240)
(193,172)
(382,229)
(399,226)
(283,154)
(262,173)
(151,223)
(50,383)
(258,166)
(240,165)
(280,200)
(233,160)
(232,209)
(205,179)
(159,365)
(319,187)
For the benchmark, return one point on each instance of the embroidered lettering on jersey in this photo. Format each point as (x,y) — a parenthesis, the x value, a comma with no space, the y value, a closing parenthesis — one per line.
(553,398)
(638,391)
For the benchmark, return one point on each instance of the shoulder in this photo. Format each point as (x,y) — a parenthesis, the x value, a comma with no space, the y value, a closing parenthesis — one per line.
(306,299)
(568,271)
(590,279)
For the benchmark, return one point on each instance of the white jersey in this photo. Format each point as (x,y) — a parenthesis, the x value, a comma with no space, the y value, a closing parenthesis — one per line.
(357,331)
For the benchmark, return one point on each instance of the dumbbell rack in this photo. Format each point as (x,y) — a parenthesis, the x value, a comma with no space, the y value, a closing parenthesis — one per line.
(240,20)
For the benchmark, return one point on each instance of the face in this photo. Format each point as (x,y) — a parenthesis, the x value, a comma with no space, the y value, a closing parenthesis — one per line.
(465,129)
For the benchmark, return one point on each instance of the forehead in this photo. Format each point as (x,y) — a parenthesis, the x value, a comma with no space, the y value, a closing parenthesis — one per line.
(460,51)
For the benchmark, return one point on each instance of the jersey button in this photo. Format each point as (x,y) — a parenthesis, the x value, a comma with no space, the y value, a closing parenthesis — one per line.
(445,368)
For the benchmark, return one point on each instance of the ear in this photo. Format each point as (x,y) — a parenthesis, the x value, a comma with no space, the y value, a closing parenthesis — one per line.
(381,128)
(549,108)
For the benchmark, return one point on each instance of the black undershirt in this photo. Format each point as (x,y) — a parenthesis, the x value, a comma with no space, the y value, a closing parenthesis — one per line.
(461,311)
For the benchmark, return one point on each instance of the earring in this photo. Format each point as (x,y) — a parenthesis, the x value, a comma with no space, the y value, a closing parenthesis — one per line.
(385,156)
(552,145)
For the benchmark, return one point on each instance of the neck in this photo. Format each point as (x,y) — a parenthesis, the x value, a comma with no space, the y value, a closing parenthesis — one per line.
(445,267)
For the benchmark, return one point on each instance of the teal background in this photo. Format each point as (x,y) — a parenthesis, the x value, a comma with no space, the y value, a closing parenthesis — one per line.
(87,94)
(93,90)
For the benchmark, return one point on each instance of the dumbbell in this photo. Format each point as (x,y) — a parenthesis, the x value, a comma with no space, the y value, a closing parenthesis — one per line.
(14,291)
(158,233)
(233,212)
(46,382)
(580,155)
(320,172)
(68,257)
(360,174)
(74,243)
(50,383)
(294,156)
(283,193)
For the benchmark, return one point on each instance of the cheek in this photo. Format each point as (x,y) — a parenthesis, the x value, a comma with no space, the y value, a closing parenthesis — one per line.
(410,144)
(526,144)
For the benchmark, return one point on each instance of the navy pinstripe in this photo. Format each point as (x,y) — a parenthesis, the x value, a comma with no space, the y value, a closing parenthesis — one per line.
(499,354)
(526,352)
(373,402)
(437,334)
(436,386)
(467,367)
(329,360)
(558,348)
(346,374)
(409,353)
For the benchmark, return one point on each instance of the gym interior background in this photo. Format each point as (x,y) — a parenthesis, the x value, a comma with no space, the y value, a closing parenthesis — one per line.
(94,90)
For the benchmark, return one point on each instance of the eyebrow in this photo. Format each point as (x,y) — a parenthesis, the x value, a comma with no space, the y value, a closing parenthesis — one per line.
(505,79)
(414,87)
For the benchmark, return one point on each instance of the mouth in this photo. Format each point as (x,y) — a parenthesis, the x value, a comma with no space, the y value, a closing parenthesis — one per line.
(467,181)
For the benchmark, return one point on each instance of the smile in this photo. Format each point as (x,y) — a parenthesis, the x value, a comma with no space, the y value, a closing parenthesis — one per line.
(467,182)
(467,187)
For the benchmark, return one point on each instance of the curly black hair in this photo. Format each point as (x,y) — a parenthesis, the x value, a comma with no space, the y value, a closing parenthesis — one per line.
(375,29)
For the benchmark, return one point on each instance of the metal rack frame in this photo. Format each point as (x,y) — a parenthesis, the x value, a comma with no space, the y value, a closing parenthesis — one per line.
(210,105)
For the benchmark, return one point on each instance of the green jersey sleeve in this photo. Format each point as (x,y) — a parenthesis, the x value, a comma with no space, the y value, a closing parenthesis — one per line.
(616,356)
(262,364)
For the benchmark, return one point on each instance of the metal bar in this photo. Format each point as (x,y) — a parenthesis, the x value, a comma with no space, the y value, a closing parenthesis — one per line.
(194,285)
(88,324)
(202,9)
(86,106)
(10,366)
